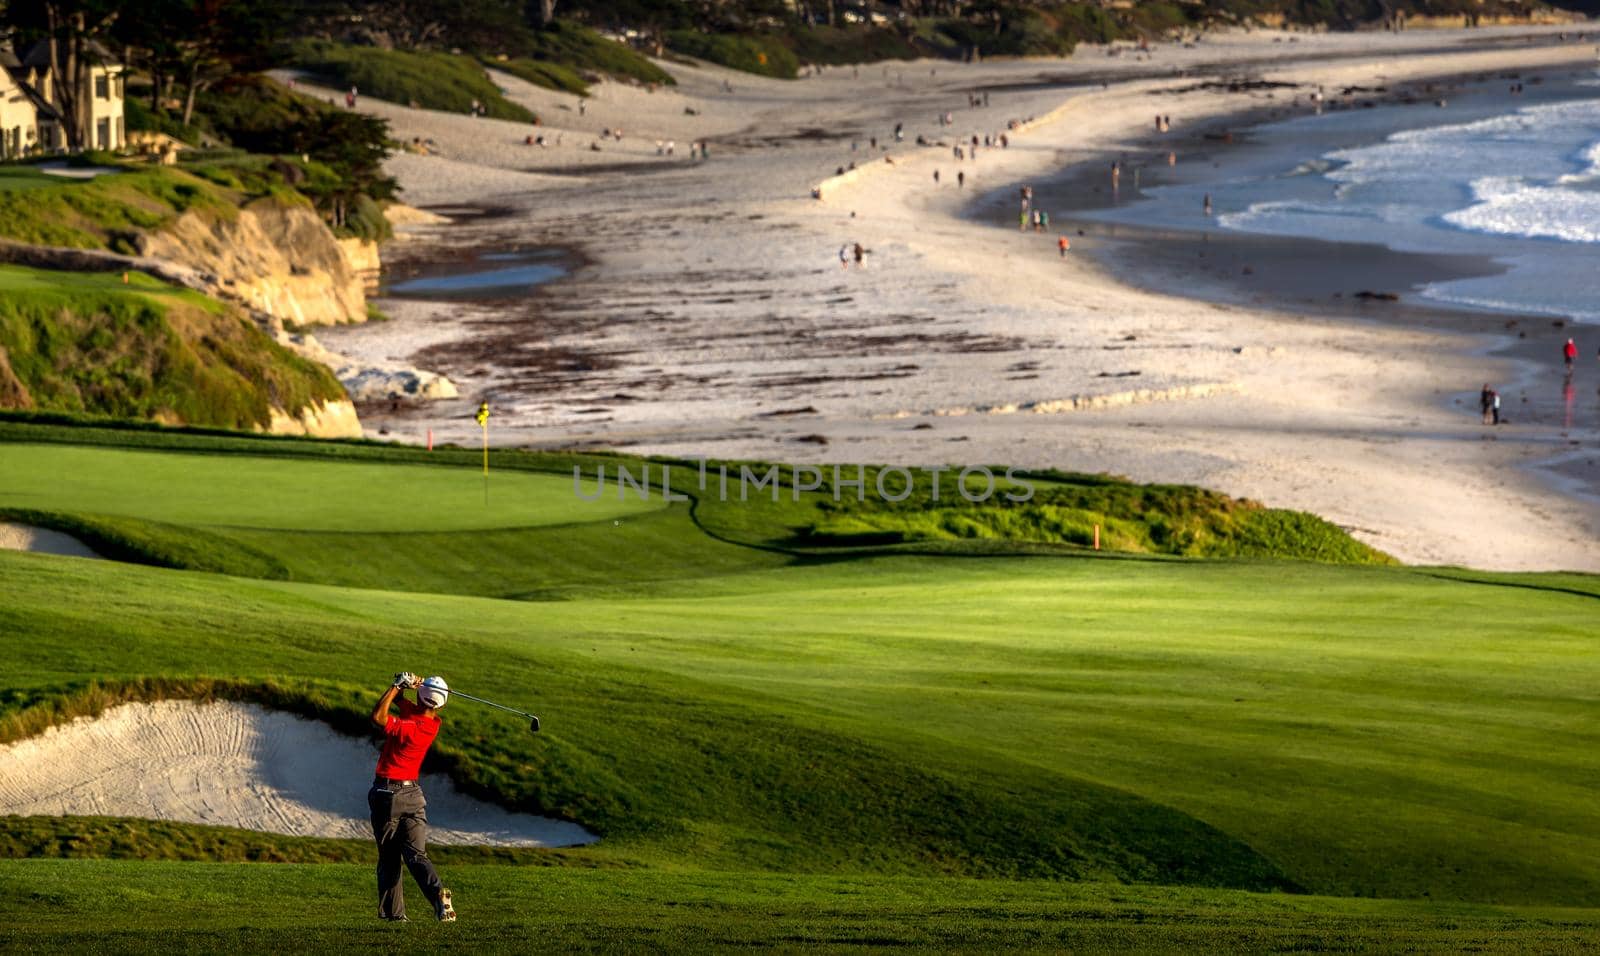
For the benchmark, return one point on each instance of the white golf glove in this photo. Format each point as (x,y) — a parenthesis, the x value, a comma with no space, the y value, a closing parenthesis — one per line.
(406,680)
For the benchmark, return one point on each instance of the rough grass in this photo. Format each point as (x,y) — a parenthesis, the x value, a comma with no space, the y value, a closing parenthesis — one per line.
(123,838)
(89,342)
(93,905)
(850,44)
(435,81)
(1060,509)
(95,213)
(552,76)
(24,178)
(561,53)
(752,53)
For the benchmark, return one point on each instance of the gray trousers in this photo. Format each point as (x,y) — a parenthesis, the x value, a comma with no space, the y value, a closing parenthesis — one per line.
(400,825)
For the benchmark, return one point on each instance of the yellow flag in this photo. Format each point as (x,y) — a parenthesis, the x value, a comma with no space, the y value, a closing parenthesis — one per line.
(483,414)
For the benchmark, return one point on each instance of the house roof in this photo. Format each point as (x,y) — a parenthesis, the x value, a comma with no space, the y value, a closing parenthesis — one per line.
(39,56)
(42,107)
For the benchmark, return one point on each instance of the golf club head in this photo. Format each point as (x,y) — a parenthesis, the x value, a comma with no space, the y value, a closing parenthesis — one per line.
(534,727)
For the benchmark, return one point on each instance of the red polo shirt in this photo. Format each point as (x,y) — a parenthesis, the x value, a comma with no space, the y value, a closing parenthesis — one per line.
(406,739)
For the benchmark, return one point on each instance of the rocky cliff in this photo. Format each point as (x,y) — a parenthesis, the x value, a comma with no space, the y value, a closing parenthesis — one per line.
(278,258)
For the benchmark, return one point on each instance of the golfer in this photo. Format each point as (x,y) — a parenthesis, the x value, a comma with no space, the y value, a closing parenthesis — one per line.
(399,811)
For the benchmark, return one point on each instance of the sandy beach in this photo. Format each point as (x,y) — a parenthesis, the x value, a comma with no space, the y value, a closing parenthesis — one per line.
(711,316)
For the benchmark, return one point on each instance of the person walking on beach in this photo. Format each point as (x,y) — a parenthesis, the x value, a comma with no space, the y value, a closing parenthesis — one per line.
(860,256)
(1570,353)
(844,256)
(399,810)
(1062,245)
(1207,204)
(1485,402)
(961,179)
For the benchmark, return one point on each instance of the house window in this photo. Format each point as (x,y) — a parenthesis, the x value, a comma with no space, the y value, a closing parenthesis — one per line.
(102,87)
(102,133)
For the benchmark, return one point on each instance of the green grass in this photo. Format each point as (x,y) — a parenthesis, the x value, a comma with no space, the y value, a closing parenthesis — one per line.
(92,343)
(969,748)
(294,495)
(731,704)
(24,178)
(435,81)
(558,56)
(97,213)
(553,76)
(547,542)
(753,53)
(88,905)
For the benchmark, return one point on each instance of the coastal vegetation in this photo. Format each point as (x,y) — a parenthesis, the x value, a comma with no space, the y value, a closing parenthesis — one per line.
(135,347)
(439,81)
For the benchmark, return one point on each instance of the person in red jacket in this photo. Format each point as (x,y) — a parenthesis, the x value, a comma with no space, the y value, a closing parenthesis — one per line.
(1570,353)
(399,810)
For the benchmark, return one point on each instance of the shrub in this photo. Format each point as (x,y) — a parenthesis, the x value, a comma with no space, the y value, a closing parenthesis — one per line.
(579,48)
(551,76)
(436,81)
(763,55)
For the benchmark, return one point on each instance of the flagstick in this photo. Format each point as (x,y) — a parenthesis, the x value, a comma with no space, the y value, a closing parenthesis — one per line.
(486,464)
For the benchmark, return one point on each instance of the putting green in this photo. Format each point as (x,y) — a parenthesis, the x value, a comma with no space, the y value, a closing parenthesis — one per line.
(246,491)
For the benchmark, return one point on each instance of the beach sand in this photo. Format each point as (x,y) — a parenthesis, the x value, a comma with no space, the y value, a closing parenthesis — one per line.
(713,317)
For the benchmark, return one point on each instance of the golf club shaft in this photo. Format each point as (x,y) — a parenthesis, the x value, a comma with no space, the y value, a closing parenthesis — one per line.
(509,710)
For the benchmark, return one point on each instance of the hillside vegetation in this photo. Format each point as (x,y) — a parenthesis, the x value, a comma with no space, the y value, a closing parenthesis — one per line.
(435,81)
(92,343)
(108,211)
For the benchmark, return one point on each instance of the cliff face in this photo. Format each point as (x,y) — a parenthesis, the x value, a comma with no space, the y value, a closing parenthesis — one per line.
(276,257)
(127,345)
(331,419)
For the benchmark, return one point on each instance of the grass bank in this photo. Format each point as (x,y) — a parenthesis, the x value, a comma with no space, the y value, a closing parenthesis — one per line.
(92,343)
(430,80)
(108,211)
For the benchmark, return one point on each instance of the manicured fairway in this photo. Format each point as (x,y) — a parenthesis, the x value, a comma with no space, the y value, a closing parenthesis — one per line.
(796,748)
(257,492)
(113,906)
(1368,731)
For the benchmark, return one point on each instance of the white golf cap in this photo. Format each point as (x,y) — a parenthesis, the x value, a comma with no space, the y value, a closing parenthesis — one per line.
(434,692)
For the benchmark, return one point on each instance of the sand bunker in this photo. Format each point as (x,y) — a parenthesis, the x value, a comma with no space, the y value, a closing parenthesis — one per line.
(22,537)
(237,765)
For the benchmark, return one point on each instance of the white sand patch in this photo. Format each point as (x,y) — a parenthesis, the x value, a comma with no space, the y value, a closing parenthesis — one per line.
(22,537)
(237,765)
(75,172)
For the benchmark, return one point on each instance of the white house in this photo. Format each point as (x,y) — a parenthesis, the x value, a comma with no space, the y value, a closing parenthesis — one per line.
(31,119)
(20,109)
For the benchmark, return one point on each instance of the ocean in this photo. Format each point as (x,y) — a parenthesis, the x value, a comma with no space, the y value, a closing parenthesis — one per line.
(1511,177)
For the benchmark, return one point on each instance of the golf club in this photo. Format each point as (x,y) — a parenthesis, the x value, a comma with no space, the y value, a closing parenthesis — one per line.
(534,727)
